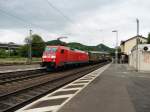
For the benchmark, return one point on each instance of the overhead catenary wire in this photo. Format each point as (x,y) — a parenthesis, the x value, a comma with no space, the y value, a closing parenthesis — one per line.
(29,24)
(26,22)
(59,11)
(14,16)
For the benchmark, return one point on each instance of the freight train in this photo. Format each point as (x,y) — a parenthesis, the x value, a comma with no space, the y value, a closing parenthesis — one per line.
(59,56)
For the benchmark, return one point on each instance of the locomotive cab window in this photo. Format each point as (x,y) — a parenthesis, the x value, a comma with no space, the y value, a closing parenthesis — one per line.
(51,49)
(62,51)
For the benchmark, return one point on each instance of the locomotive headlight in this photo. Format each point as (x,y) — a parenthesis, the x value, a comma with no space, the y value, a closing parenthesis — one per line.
(53,57)
(44,56)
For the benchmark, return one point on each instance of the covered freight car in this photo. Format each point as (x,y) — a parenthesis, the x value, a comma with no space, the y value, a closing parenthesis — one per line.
(96,56)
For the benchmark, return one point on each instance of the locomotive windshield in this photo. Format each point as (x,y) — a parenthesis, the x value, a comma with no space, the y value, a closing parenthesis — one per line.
(51,49)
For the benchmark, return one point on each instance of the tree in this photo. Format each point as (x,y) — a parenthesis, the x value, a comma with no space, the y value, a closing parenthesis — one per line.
(24,50)
(148,39)
(56,42)
(38,45)
(3,53)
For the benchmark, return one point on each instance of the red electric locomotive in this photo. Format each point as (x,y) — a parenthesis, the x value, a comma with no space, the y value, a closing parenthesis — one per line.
(58,56)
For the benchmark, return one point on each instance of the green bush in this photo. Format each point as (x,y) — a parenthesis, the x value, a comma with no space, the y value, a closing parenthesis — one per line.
(3,53)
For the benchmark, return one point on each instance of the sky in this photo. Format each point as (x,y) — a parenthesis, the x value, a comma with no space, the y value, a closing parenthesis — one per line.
(89,22)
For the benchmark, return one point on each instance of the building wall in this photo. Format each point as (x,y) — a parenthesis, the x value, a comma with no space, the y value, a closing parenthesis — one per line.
(143,61)
(122,47)
(128,45)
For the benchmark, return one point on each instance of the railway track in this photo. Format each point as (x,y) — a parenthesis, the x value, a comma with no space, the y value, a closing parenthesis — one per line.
(17,94)
(21,75)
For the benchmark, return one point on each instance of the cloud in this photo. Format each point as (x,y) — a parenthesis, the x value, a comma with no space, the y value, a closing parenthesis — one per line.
(92,21)
(120,16)
(11,36)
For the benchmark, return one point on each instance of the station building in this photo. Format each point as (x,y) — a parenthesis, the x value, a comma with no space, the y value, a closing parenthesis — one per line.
(139,58)
(127,45)
(9,47)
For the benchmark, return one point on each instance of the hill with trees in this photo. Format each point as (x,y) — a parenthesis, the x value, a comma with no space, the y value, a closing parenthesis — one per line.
(75,45)
(38,46)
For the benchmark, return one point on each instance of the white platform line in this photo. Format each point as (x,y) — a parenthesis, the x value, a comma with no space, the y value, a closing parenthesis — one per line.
(41,109)
(93,75)
(69,89)
(80,81)
(85,79)
(56,108)
(56,97)
(90,77)
(100,70)
(82,84)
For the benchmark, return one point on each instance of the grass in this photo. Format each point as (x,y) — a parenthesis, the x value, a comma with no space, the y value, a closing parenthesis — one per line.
(17,60)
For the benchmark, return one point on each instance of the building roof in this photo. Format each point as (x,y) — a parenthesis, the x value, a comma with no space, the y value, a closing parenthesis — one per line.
(11,45)
(122,42)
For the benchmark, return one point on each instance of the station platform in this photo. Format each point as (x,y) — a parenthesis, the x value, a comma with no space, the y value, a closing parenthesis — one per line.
(112,88)
(107,93)
(12,68)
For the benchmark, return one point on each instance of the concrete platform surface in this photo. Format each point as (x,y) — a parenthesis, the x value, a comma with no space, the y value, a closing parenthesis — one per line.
(18,67)
(111,88)
(52,102)
(117,89)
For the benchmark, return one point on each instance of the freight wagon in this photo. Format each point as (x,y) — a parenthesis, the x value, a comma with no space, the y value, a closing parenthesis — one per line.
(96,56)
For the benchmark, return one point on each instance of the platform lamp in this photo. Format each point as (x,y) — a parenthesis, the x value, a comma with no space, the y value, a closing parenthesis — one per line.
(116,52)
(137,42)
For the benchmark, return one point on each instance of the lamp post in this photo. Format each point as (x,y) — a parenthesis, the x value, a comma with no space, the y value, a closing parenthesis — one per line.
(116,52)
(137,42)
